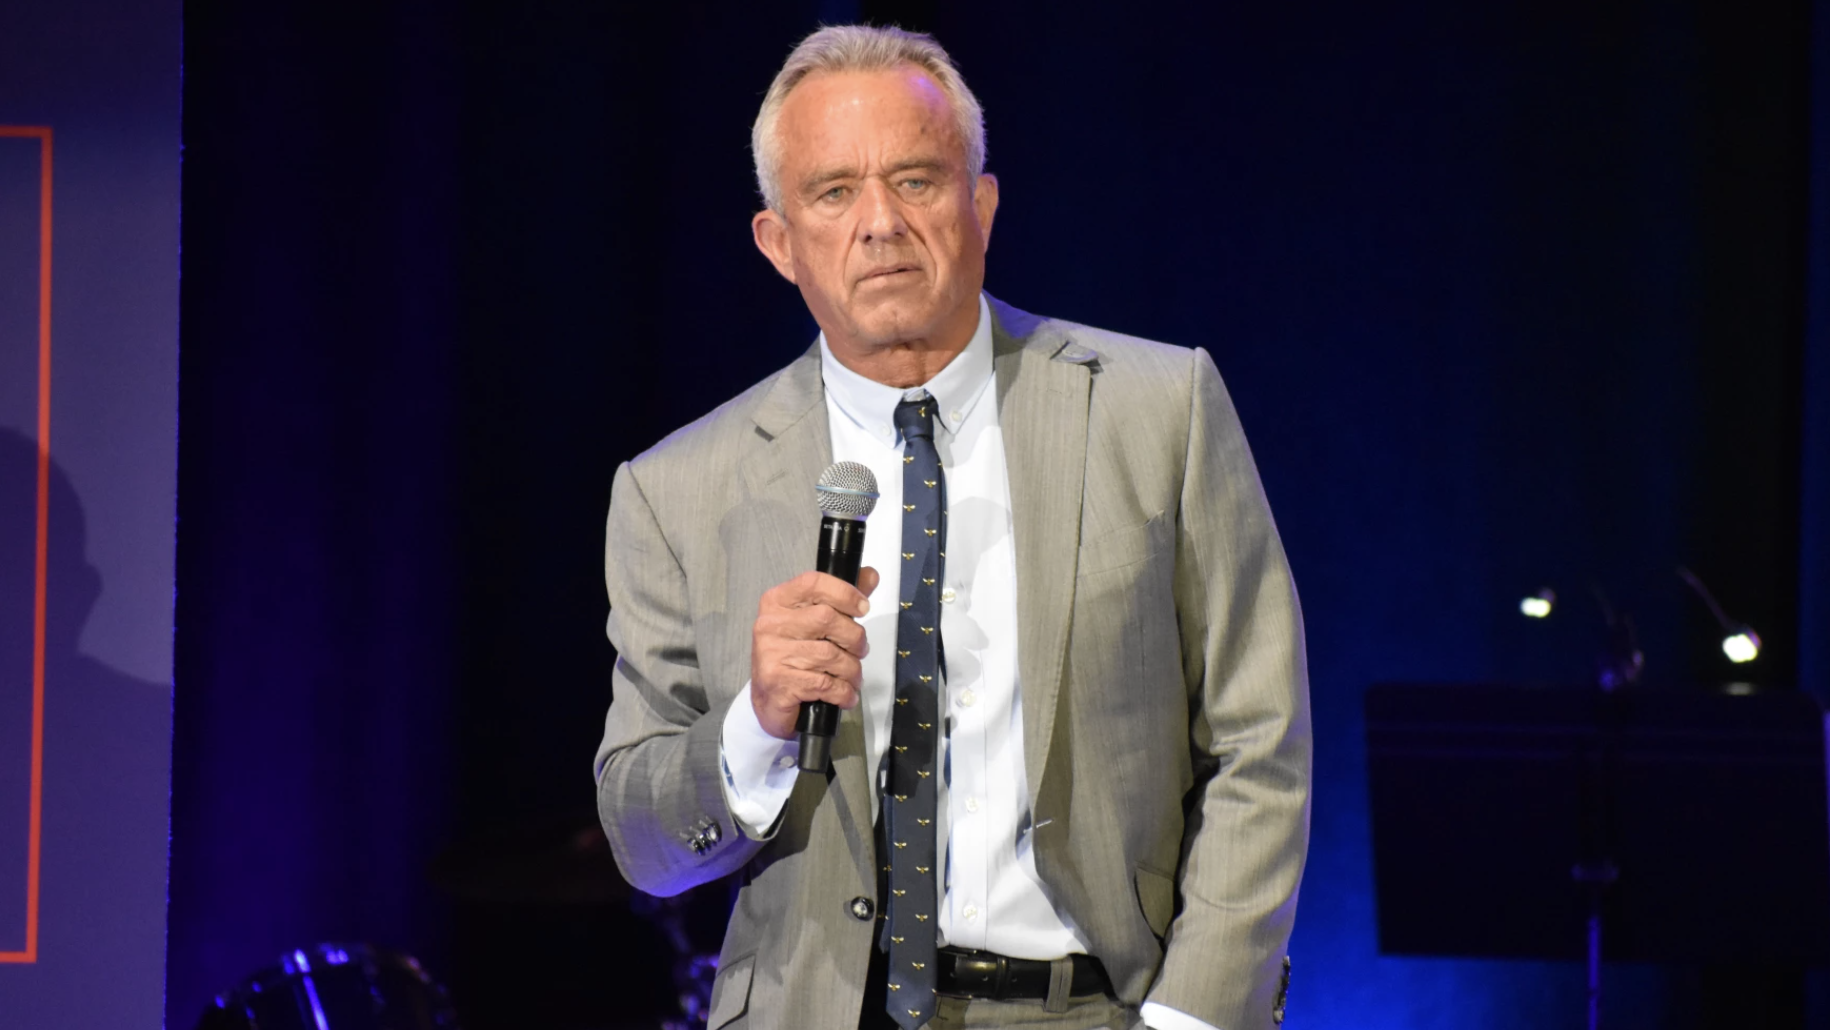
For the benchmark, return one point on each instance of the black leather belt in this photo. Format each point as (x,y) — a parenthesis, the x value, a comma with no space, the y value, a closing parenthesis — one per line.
(965,973)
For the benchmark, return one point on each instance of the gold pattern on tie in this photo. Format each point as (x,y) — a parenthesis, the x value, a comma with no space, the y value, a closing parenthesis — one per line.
(911,815)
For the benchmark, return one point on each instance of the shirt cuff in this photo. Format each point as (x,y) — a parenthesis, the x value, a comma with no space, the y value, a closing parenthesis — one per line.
(1162,1017)
(759,769)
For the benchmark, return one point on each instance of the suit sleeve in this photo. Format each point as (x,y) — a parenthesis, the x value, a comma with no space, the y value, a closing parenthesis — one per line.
(660,791)
(1243,663)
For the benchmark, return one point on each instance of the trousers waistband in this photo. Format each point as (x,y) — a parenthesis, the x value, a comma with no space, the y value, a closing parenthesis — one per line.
(967,973)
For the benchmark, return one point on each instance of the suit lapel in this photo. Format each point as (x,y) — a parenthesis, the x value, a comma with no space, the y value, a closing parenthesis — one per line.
(794,446)
(1043,381)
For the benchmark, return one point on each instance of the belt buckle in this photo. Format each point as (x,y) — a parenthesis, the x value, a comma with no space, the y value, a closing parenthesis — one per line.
(981,974)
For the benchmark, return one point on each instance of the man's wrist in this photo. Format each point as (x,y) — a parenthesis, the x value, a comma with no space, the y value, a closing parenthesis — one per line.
(745,735)
(758,768)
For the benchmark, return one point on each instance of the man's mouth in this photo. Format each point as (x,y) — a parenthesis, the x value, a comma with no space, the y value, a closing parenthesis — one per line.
(892,270)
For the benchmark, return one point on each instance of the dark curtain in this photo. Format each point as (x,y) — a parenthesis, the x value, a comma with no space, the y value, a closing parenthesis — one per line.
(320,553)
(1507,295)
(1814,565)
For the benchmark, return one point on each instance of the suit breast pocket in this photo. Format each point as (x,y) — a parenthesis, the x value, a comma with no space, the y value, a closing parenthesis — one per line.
(1119,548)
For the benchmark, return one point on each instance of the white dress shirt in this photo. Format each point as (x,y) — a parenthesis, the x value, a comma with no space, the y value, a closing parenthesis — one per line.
(992,898)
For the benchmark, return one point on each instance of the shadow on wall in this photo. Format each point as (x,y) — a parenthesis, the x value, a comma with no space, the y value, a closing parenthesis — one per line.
(105,791)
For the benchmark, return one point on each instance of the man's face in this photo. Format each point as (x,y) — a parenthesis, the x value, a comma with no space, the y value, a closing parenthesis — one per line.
(880,226)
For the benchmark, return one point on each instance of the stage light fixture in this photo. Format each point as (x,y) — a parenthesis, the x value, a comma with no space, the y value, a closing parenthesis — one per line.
(1741,646)
(1539,605)
(1739,641)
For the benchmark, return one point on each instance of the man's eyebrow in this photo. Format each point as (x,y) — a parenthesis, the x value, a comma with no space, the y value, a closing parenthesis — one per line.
(926,164)
(825,175)
(815,180)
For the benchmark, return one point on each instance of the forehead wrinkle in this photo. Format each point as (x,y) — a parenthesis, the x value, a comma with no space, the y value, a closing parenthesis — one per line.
(827,108)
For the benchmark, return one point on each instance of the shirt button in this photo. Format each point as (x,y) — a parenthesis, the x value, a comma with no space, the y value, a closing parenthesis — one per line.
(861,908)
(947,596)
(967,699)
(971,913)
(972,804)
(953,417)
(784,761)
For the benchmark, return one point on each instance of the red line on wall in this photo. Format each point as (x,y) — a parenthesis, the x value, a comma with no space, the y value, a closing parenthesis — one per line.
(34,821)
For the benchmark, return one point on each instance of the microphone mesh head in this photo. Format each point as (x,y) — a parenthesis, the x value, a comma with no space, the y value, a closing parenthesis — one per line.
(847,489)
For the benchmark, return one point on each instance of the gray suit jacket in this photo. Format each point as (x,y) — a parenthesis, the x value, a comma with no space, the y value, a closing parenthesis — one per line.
(1165,701)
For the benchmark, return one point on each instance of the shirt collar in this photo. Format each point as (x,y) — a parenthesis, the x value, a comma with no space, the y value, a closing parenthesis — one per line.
(956,388)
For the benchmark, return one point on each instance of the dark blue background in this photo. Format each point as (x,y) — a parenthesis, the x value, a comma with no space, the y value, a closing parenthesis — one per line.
(1507,294)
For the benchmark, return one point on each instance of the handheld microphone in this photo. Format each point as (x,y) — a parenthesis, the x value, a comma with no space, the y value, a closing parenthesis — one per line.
(847,493)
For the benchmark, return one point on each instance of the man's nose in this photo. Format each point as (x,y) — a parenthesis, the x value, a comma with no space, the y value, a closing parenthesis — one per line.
(880,216)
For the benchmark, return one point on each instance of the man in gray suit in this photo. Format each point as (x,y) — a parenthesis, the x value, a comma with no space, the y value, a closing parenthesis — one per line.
(1073,572)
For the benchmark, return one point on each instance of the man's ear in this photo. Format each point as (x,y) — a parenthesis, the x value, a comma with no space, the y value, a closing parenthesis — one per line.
(770,231)
(985,204)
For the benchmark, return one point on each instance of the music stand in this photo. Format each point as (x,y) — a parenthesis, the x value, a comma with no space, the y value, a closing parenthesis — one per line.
(1516,821)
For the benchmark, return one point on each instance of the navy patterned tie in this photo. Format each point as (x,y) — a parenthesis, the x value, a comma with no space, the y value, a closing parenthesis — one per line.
(914,756)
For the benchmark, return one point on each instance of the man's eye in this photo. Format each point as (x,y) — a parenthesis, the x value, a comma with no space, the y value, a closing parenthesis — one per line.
(833,194)
(916,184)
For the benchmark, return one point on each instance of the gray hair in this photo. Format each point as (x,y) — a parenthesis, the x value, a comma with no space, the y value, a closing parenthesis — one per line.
(852,48)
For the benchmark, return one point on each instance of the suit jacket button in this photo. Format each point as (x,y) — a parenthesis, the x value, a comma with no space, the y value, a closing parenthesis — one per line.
(862,909)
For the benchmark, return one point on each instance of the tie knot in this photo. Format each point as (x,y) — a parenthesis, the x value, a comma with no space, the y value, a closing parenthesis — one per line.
(916,418)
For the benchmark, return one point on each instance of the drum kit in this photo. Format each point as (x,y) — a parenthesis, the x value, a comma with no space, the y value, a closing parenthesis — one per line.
(559,862)
(333,986)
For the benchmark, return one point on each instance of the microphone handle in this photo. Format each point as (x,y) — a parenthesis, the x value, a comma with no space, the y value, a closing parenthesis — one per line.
(841,554)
